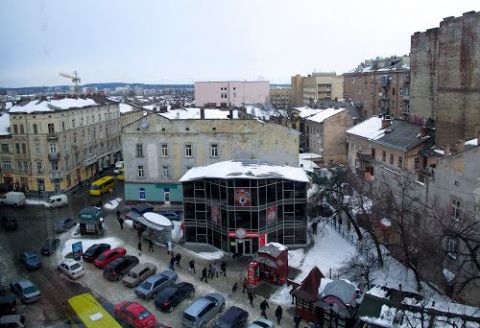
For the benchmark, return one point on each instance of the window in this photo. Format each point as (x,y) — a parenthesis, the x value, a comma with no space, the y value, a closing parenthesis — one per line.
(384,156)
(188,150)
(38,150)
(7,165)
(416,163)
(165,171)
(391,159)
(456,209)
(17,146)
(22,131)
(51,128)
(54,166)
(35,129)
(19,166)
(5,148)
(141,174)
(53,148)
(400,161)
(141,193)
(73,123)
(139,150)
(15,129)
(39,168)
(24,148)
(393,91)
(452,247)
(63,126)
(25,166)
(214,150)
(164,150)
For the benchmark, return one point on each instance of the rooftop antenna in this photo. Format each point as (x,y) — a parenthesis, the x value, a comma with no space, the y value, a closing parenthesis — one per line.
(75,79)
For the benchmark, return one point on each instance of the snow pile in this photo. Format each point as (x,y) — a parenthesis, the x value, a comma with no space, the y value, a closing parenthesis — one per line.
(52,105)
(112,204)
(195,113)
(282,296)
(209,256)
(86,243)
(245,169)
(36,202)
(472,142)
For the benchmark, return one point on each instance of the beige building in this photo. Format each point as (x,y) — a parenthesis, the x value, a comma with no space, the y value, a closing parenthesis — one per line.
(307,90)
(161,147)
(57,143)
(280,97)
(129,113)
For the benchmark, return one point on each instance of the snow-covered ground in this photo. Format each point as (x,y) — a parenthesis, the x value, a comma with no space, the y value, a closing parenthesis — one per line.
(86,243)
(112,204)
(36,202)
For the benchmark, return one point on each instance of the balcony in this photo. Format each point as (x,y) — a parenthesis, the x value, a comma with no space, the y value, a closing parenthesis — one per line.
(52,136)
(53,156)
(56,175)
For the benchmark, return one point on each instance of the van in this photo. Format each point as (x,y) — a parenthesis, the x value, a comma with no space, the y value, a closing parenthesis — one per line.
(14,198)
(12,321)
(203,310)
(57,201)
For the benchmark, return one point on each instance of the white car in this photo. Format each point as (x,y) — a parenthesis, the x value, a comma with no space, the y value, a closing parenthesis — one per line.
(118,165)
(261,323)
(71,268)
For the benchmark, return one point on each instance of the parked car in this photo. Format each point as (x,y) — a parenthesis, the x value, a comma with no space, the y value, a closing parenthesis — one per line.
(234,317)
(13,321)
(142,208)
(94,251)
(135,314)
(156,283)
(109,255)
(138,274)
(172,215)
(170,297)
(118,166)
(9,224)
(30,260)
(116,269)
(13,198)
(262,323)
(26,290)
(50,246)
(8,304)
(71,268)
(203,310)
(57,201)
(63,225)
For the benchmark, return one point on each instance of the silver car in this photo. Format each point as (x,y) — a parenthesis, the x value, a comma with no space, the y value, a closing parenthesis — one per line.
(26,290)
(261,323)
(203,310)
(156,283)
(138,274)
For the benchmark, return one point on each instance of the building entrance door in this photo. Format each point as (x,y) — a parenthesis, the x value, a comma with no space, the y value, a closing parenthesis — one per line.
(244,247)
(167,198)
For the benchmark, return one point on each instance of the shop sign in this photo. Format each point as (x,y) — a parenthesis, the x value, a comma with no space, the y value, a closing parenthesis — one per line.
(77,250)
(262,240)
(240,233)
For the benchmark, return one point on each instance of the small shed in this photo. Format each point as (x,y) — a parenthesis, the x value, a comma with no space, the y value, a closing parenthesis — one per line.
(158,228)
(270,265)
(306,295)
(91,221)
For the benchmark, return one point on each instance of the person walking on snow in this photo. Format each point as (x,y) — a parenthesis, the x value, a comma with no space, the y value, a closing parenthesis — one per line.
(150,245)
(178,257)
(139,247)
(251,296)
(172,263)
(263,307)
(223,268)
(204,274)
(169,247)
(278,313)
(191,266)
(297,319)
(245,285)
(120,221)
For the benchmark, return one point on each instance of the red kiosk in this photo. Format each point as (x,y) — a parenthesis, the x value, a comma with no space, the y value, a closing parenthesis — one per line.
(271,265)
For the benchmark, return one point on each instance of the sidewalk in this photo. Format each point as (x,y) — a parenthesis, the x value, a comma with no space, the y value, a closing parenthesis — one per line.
(236,272)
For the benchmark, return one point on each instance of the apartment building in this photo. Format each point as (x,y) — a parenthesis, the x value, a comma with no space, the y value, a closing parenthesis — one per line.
(446,77)
(280,97)
(129,113)
(231,93)
(380,86)
(307,90)
(57,143)
(159,148)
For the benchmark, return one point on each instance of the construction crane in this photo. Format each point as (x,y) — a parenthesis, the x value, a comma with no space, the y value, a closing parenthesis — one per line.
(75,79)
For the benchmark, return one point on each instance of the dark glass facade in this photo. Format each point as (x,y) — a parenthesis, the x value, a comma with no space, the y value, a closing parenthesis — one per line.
(240,215)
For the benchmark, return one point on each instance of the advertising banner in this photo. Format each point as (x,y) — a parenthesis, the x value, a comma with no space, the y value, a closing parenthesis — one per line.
(77,250)
(271,215)
(216,216)
(243,197)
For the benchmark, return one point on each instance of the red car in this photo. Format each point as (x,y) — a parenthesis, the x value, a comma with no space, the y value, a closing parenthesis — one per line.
(135,314)
(109,255)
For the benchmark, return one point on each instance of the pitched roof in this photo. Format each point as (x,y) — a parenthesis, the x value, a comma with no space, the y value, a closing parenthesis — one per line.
(308,289)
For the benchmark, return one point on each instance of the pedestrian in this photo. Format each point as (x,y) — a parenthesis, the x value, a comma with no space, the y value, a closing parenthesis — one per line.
(150,245)
(217,268)
(172,263)
(263,307)
(178,257)
(278,313)
(234,288)
(120,220)
(245,285)
(210,271)
(297,319)
(291,294)
(314,227)
(118,214)
(191,266)
(169,247)
(223,267)
(139,247)
(251,296)
(204,275)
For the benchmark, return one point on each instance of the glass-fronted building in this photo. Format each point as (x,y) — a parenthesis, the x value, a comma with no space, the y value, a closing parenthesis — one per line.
(239,206)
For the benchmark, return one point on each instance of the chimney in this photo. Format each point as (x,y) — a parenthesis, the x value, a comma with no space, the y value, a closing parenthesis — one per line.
(202,113)
(386,122)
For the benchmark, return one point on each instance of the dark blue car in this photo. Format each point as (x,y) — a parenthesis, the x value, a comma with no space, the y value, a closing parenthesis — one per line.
(30,260)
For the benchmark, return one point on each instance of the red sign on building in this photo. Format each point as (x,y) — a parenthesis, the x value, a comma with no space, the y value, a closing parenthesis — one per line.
(262,240)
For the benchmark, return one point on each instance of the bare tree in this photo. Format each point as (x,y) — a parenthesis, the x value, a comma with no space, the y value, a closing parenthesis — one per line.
(360,267)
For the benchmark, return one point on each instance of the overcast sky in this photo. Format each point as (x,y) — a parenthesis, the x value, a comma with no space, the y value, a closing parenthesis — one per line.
(181,41)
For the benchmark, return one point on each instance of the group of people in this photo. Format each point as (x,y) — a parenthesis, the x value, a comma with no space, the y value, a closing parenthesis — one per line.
(212,270)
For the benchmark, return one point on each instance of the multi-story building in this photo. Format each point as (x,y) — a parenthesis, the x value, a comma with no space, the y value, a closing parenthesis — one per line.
(239,206)
(159,148)
(307,90)
(380,86)
(129,113)
(446,77)
(280,97)
(57,143)
(231,93)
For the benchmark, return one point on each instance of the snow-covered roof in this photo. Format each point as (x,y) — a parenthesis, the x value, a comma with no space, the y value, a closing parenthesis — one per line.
(309,156)
(52,105)
(4,124)
(157,219)
(323,114)
(245,170)
(370,128)
(472,142)
(194,113)
(126,108)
